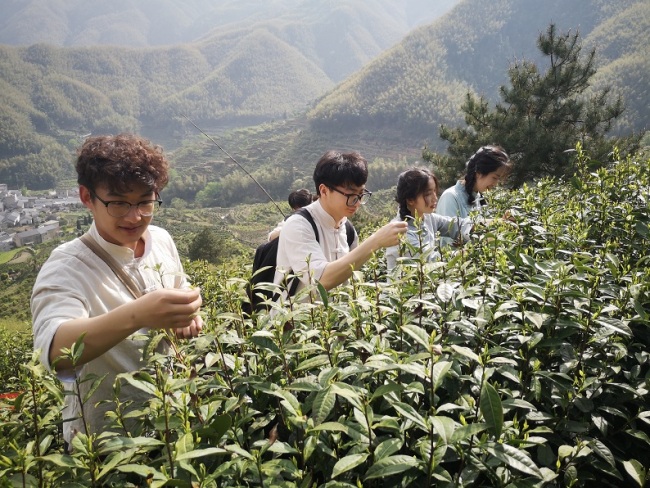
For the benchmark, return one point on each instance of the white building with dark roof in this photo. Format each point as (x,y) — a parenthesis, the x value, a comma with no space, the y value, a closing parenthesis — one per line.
(11,219)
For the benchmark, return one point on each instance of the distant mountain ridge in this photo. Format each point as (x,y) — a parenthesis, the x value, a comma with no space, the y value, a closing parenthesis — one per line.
(248,62)
(126,23)
(420,83)
(238,75)
(338,35)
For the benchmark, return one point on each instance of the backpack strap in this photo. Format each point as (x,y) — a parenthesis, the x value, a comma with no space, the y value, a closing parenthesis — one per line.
(307,215)
(126,280)
(350,232)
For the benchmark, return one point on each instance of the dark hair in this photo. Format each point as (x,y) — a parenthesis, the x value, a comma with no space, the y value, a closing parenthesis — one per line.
(336,169)
(300,198)
(410,184)
(484,161)
(120,162)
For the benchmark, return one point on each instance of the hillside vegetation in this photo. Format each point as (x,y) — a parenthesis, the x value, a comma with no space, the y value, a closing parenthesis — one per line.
(520,359)
(420,83)
(248,68)
(67,93)
(290,153)
(239,76)
(149,23)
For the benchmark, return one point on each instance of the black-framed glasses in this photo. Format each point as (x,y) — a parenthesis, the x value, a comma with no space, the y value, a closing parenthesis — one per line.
(119,209)
(354,198)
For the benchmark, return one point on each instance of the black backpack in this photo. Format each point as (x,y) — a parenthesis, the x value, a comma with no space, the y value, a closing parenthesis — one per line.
(266,260)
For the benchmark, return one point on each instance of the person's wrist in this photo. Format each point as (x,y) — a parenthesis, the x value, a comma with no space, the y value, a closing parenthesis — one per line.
(134,317)
(371,243)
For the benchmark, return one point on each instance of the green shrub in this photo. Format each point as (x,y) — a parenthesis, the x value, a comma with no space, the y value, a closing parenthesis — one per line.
(15,349)
(521,359)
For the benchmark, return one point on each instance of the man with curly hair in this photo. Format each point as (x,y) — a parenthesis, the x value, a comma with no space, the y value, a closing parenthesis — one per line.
(78,294)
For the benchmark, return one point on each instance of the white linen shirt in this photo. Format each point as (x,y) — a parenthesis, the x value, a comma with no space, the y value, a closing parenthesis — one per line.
(75,283)
(298,245)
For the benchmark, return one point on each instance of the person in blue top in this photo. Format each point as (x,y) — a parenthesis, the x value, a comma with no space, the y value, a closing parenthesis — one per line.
(417,196)
(484,170)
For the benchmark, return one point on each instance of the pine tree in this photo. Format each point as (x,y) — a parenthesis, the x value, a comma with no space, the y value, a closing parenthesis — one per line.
(542,115)
(206,245)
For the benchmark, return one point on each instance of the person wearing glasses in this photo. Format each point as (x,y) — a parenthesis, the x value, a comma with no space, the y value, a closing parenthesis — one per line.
(417,197)
(340,180)
(77,293)
(484,170)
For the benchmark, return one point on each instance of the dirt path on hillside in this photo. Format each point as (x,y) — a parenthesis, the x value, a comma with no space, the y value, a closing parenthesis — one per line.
(21,257)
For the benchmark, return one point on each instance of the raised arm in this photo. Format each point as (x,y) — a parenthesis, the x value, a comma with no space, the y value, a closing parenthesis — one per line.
(336,272)
(160,309)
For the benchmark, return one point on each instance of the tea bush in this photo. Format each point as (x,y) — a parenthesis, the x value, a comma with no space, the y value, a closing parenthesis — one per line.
(520,359)
(15,349)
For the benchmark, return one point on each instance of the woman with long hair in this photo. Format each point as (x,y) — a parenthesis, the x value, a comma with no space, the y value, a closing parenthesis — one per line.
(483,171)
(417,196)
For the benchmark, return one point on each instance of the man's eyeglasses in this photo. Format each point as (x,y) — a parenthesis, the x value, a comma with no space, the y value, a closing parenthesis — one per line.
(354,198)
(119,209)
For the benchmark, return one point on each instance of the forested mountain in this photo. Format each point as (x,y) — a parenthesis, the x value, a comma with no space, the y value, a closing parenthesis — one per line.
(394,106)
(257,61)
(49,95)
(420,83)
(248,70)
(337,35)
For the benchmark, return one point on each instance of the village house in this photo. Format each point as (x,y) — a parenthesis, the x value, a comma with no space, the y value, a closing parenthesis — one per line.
(36,236)
(11,200)
(10,219)
(17,210)
(6,241)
